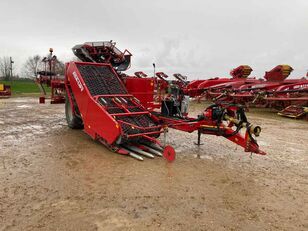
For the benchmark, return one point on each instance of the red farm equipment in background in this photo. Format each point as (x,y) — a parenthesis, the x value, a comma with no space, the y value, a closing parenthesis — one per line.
(128,113)
(244,91)
(274,91)
(49,78)
(213,88)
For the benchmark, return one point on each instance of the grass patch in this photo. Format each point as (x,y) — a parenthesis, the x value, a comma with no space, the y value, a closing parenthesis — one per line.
(23,86)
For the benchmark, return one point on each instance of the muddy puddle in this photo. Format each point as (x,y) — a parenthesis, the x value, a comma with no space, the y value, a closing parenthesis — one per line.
(54,178)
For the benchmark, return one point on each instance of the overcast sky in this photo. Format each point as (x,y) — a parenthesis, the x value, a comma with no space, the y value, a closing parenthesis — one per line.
(200,38)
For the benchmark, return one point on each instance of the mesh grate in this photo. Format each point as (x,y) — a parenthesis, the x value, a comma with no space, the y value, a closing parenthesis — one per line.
(100,80)
(114,110)
(135,109)
(144,121)
(108,101)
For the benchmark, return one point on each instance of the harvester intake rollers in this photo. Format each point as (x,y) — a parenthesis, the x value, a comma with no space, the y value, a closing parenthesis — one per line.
(139,151)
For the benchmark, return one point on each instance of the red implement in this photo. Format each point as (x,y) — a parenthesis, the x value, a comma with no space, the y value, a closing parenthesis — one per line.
(128,113)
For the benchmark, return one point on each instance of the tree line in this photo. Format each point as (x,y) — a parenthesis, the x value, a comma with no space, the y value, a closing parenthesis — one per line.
(32,65)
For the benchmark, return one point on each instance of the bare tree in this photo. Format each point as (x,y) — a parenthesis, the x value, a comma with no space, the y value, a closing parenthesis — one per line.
(31,65)
(59,67)
(5,67)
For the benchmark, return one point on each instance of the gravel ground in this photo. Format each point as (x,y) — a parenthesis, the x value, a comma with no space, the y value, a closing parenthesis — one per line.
(55,178)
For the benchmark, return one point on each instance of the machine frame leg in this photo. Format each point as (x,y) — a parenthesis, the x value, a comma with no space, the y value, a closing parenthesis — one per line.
(199,138)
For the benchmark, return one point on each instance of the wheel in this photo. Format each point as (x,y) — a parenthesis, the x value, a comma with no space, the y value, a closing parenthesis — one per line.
(73,121)
(169,153)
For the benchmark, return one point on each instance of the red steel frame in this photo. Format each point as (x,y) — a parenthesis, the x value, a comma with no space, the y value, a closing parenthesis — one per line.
(101,125)
(98,123)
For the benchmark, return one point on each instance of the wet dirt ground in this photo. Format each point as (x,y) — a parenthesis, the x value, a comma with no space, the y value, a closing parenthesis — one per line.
(55,178)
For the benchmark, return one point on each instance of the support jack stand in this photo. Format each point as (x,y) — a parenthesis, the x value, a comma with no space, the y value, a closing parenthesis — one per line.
(199,139)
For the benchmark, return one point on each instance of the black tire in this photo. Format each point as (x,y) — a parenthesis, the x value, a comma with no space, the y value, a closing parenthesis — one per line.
(73,121)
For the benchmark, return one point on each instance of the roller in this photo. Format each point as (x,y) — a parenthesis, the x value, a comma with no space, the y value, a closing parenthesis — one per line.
(152,150)
(134,155)
(139,151)
(154,146)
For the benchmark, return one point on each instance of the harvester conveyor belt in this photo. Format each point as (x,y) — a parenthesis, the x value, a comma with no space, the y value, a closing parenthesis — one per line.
(100,84)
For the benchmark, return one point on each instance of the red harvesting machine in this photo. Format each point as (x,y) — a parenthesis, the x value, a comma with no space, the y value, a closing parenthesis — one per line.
(128,113)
